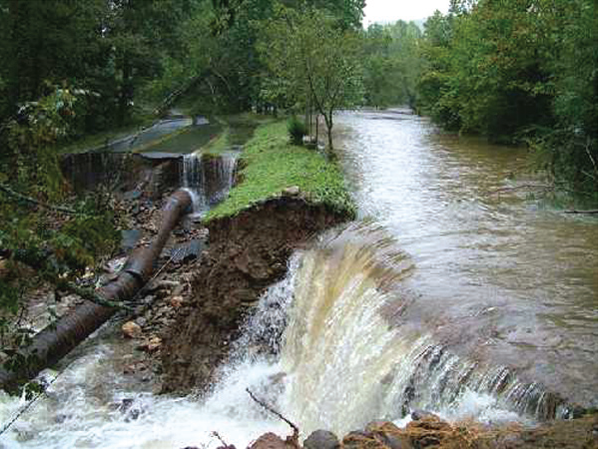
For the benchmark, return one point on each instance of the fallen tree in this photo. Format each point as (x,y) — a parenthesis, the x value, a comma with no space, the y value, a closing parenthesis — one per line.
(58,339)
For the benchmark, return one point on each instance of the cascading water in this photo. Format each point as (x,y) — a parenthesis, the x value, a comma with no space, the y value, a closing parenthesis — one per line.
(208,178)
(333,345)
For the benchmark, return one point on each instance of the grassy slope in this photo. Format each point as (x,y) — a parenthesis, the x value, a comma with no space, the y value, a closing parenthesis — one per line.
(272,164)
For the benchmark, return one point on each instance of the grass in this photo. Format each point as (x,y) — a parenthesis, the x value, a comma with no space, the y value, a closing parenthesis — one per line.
(272,164)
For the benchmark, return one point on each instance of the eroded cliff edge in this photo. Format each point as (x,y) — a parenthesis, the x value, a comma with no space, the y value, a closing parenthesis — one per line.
(247,253)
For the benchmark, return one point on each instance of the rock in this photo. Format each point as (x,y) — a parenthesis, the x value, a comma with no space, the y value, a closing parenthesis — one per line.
(131,330)
(359,439)
(154,344)
(291,191)
(430,422)
(176,301)
(417,414)
(270,441)
(389,434)
(140,321)
(322,439)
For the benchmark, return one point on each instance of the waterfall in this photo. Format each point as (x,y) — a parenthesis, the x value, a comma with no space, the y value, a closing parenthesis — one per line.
(354,350)
(208,178)
(333,345)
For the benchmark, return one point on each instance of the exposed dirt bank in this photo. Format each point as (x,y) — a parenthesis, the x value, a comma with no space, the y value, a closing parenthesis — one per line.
(247,253)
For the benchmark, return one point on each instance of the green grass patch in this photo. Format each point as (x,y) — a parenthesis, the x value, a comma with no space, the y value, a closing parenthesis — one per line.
(272,164)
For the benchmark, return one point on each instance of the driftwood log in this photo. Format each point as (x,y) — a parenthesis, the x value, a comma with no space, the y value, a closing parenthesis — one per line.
(58,339)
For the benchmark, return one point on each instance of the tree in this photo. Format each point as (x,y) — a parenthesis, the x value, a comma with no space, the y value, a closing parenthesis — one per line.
(312,61)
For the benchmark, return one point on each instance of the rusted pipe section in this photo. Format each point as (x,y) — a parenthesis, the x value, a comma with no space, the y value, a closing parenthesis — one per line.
(57,340)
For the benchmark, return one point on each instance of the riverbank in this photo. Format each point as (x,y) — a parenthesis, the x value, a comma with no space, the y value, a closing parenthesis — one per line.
(285,196)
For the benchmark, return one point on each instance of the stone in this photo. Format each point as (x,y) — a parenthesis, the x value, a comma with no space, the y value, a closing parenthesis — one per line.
(430,422)
(359,439)
(270,441)
(388,433)
(151,345)
(322,439)
(140,321)
(176,302)
(291,191)
(131,330)
(417,414)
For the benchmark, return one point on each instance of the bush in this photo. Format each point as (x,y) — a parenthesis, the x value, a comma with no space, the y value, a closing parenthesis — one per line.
(297,130)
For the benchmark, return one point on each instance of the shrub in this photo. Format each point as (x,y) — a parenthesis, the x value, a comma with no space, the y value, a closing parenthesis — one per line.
(297,130)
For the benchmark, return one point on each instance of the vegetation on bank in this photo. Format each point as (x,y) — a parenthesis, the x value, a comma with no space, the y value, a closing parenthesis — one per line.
(519,71)
(272,164)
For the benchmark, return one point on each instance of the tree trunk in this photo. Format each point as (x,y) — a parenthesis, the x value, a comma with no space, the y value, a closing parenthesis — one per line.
(58,339)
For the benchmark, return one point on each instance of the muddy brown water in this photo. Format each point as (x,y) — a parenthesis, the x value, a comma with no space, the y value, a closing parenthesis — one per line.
(498,276)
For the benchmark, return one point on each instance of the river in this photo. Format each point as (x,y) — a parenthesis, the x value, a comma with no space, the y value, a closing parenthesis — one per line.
(455,291)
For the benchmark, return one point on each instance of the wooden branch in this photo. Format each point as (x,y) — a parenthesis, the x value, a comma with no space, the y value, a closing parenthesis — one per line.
(30,200)
(224,444)
(274,412)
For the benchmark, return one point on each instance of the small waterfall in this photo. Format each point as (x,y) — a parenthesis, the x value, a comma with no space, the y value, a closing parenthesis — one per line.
(352,352)
(208,178)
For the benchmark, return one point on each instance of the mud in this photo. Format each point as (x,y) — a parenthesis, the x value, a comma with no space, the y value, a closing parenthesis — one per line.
(247,253)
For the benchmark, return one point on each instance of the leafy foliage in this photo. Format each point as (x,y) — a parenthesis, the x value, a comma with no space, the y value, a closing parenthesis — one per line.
(392,64)
(519,70)
(311,61)
(297,130)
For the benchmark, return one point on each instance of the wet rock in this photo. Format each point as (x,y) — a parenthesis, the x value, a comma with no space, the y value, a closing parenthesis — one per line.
(430,422)
(131,330)
(151,345)
(271,441)
(417,415)
(359,439)
(389,434)
(291,191)
(176,302)
(322,439)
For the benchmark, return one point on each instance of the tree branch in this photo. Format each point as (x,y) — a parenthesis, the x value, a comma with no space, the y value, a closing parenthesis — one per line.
(274,412)
(30,200)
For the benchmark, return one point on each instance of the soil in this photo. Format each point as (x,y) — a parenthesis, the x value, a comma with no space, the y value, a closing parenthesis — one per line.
(247,253)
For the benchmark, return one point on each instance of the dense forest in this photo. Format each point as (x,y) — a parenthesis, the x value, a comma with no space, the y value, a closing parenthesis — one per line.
(514,71)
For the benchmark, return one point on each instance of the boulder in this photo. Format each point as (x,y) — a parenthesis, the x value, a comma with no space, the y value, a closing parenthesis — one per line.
(389,434)
(131,330)
(270,441)
(359,439)
(322,439)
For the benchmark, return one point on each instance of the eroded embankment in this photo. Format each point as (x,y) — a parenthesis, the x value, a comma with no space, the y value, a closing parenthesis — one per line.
(247,253)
